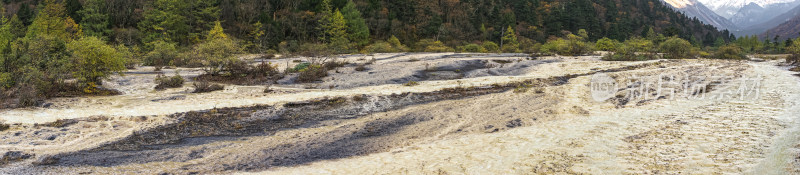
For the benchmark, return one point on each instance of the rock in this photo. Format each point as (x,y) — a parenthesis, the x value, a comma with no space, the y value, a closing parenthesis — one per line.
(14,156)
(46,160)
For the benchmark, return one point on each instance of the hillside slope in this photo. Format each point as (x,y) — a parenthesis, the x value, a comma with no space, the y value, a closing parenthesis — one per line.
(693,8)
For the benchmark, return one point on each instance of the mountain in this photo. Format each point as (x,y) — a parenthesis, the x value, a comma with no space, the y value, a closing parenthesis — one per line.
(729,8)
(754,14)
(693,8)
(788,29)
(761,28)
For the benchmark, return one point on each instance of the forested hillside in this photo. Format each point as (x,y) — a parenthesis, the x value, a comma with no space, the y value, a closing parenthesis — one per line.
(265,24)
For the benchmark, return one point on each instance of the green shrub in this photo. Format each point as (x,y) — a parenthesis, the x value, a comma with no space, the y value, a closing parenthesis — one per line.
(628,53)
(312,73)
(380,47)
(490,47)
(396,44)
(164,82)
(474,48)
(216,54)
(677,48)
(438,46)
(606,44)
(730,52)
(94,60)
(411,83)
(163,54)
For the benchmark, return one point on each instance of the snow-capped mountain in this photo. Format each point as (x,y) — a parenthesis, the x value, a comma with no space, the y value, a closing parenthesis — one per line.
(729,8)
(753,14)
(693,8)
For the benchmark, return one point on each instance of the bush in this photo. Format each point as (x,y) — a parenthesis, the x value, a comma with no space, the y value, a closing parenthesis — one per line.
(676,48)
(94,59)
(474,48)
(606,44)
(438,46)
(164,82)
(314,72)
(380,47)
(730,52)
(396,44)
(216,54)
(490,47)
(163,54)
(628,53)
(205,86)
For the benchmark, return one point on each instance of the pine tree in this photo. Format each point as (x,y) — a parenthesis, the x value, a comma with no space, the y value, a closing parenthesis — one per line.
(25,14)
(337,31)
(18,29)
(73,6)
(165,22)
(95,22)
(201,16)
(510,42)
(216,33)
(52,20)
(356,27)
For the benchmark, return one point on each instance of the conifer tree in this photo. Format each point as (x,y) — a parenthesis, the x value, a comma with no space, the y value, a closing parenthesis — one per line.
(510,42)
(95,21)
(356,27)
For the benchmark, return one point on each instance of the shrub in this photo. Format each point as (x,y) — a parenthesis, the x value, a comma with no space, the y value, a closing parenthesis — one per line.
(474,48)
(490,47)
(396,44)
(606,44)
(628,53)
(216,54)
(640,45)
(163,54)
(438,46)
(676,48)
(411,83)
(312,73)
(164,82)
(380,47)
(730,52)
(205,86)
(94,59)
(555,46)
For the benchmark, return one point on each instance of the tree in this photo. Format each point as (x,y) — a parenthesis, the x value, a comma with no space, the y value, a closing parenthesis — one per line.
(216,33)
(257,38)
(200,16)
(510,42)
(217,51)
(676,48)
(18,29)
(356,26)
(163,22)
(95,21)
(162,54)
(72,7)
(52,20)
(337,33)
(94,60)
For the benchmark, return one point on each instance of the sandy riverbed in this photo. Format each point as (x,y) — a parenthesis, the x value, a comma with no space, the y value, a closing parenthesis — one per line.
(462,118)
